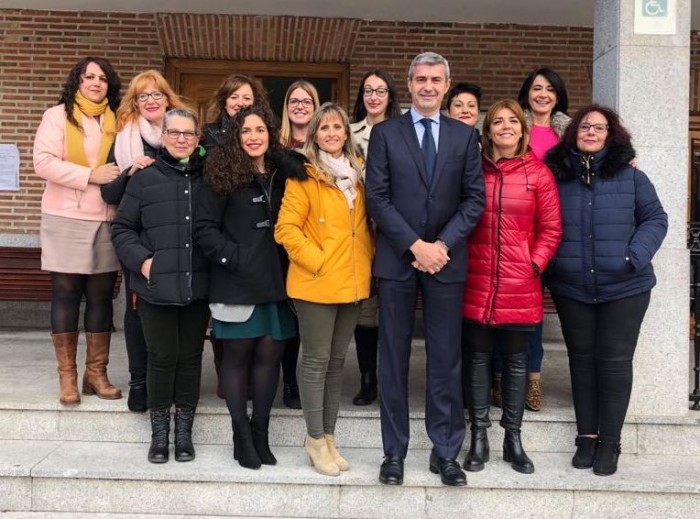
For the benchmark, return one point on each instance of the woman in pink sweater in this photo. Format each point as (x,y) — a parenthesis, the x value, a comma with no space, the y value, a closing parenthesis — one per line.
(70,152)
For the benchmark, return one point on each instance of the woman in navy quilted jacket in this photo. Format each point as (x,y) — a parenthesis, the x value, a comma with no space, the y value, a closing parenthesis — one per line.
(601,277)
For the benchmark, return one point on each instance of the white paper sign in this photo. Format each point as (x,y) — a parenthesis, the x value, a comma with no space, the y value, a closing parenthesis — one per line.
(9,167)
(655,16)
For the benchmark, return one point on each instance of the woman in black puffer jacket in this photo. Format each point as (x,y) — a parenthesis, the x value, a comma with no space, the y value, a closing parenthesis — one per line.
(601,277)
(152,234)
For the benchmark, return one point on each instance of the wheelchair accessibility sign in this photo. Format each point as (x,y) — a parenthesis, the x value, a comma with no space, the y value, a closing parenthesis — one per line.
(655,17)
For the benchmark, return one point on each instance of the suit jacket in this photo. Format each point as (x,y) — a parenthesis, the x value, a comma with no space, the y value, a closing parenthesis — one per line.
(406,207)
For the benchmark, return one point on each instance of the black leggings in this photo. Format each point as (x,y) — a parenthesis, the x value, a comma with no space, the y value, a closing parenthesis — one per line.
(67,290)
(601,339)
(265,354)
(136,349)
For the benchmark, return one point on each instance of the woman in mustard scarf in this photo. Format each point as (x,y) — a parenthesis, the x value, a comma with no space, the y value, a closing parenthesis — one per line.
(70,152)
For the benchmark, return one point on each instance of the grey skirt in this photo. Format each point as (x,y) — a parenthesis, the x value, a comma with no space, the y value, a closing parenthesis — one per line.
(75,246)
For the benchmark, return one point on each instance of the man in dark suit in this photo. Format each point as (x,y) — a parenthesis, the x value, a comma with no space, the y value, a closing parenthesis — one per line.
(425,192)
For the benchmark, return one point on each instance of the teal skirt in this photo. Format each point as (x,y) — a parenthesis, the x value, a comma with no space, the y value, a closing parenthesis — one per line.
(275,319)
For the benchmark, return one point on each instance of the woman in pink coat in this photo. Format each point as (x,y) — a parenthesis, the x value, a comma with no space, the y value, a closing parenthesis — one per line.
(70,152)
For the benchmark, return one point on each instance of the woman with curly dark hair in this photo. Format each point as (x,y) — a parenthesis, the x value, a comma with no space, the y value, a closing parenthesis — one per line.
(237,210)
(70,152)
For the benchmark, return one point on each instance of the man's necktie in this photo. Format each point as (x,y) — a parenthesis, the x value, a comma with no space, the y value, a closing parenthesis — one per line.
(428,148)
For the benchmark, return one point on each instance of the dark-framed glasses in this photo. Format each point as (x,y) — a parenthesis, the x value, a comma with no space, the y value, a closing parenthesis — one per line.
(597,128)
(306,103)
(380,91)
(155,95)
(175,134)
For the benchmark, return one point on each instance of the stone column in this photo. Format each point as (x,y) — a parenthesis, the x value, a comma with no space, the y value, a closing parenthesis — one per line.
(645,77)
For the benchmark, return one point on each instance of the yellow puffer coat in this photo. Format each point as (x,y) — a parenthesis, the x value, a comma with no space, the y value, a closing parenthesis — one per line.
(329,246)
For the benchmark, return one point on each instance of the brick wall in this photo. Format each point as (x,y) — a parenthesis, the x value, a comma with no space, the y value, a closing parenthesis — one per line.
(37,48)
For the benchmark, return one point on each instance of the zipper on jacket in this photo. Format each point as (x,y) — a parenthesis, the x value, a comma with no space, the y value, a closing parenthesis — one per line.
(191,235)
(497,278)
(352,244)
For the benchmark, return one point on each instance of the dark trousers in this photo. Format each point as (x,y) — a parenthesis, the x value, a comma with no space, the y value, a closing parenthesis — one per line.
(175,338)
(601,339)
(136,350)
(444,414)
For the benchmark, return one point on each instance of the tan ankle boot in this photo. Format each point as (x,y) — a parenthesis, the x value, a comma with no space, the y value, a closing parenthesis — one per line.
(66,347)
(95,380)
(533,400)
(339,460)
(319,457)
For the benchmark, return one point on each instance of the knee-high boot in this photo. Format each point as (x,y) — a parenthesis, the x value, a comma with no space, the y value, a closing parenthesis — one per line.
(514,391)
(66,348)
(95,380)
(479,366)
(366,343)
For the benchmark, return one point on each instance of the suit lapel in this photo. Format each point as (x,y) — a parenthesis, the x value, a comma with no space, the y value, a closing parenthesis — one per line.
(413,146)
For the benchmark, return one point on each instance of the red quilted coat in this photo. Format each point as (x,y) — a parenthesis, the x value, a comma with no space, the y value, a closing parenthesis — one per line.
(516,237)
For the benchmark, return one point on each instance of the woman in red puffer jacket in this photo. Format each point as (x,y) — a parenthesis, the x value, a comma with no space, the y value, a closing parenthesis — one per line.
(517,235)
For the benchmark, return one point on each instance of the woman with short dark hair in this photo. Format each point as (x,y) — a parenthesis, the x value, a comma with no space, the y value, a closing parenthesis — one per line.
(602,276)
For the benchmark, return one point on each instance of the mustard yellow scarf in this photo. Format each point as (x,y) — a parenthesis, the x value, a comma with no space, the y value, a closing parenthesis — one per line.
(74,134)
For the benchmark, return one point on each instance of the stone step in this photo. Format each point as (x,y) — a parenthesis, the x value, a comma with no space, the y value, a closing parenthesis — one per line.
(107,478)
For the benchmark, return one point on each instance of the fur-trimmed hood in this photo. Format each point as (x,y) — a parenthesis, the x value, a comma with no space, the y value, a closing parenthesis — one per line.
(569,164)
(289,163)
(558,122)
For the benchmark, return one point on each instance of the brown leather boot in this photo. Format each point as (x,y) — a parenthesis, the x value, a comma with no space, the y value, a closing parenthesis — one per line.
(95,380)
(66,347)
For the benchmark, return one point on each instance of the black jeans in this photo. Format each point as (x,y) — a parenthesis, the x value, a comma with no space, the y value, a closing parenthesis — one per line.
(175,338)
(133,334)
(601,339)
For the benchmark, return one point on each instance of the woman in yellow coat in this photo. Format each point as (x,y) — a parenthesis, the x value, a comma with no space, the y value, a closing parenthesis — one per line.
(323,227)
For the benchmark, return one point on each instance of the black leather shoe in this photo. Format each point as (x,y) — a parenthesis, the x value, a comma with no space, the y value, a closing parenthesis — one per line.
(514,453)
(479,451)
(606,457)
(138,396)
(290,395)
(368,389)
(585,452)
(450,472)
(391,471)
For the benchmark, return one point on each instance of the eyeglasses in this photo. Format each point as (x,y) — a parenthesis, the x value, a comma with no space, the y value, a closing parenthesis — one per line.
(380,91)
(175,134)
(306,103)
(93,77)
(597,128)
(143,96)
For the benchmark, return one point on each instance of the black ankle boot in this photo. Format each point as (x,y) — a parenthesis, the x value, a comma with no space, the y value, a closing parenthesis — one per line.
(138,396)
(585,452)
(160,432)
(368,389)
(606,457)
(259,426)
(290,395)
(514,453)
(243,447)
(479,451)
(184,450)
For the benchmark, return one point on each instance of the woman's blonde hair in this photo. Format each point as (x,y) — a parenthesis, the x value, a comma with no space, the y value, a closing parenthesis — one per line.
(286,128)
(129,110)
(311,148)
(513,106)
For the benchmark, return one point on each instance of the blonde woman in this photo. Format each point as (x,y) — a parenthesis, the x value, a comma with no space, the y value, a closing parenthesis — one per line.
(139,137)
(324,228)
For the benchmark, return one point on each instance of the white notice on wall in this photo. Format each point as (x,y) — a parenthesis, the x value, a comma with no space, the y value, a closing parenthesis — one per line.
(9,167)
(655,17)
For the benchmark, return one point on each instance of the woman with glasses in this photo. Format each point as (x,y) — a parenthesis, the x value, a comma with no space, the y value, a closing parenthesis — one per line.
(300,103)
(236,92)
(602,276)
(139,137)
(71,150)
(170,276)
(238,206)
(324,228)
(377,100)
